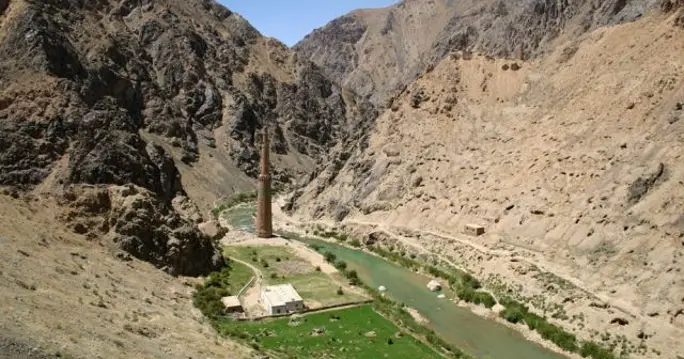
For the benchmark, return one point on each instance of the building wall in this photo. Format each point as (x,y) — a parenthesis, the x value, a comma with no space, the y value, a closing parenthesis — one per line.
(295,305)
(279,309)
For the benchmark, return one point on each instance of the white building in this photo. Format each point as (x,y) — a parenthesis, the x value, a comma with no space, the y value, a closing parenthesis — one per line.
(281,299)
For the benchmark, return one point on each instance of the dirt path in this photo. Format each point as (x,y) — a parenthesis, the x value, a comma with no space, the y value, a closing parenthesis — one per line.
(292,223)
(536,261)
(250,297)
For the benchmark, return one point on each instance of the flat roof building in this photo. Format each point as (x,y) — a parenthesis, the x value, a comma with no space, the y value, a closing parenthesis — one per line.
(281,299)
(232,304)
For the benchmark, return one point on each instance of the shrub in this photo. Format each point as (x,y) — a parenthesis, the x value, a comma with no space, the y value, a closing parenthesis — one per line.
(330,257)
(355,243)
(484,298)
(274,275)
(208,300)
(341,265)
(318,268)
(512,315)
(264,263)
(339,291)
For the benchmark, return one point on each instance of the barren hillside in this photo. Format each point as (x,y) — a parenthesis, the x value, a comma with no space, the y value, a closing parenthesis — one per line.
(572,162)
(166,96)
(377,52)
(121,123)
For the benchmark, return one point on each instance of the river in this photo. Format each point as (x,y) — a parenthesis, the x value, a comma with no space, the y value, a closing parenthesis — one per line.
(480,337)
(458,326)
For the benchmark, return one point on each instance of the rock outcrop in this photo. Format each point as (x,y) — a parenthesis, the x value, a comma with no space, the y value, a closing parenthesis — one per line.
(572,160)
(119,93)
(377,52)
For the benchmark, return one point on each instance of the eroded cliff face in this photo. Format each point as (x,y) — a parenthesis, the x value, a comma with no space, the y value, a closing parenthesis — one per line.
(378,52)
(571,161)
(166,96)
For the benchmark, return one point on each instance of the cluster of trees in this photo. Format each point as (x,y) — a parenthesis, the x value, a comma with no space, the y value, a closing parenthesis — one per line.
(516,312)
(207,297)
(466,288)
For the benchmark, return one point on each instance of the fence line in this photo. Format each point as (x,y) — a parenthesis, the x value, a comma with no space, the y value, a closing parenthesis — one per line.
(308,311)
(246,286)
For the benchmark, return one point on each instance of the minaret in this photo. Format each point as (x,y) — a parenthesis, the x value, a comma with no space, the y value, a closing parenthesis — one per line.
(264,225)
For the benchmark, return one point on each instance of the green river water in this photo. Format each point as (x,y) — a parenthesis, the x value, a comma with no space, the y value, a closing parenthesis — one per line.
(458,326)
(241,216)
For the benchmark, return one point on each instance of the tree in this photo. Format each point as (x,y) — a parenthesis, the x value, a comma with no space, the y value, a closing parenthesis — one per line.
(330,257)
(341,265)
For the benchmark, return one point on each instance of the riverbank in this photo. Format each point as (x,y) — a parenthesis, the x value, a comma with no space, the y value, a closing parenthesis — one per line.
(535,328)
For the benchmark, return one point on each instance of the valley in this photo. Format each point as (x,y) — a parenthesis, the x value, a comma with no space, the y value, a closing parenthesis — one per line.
(526,157)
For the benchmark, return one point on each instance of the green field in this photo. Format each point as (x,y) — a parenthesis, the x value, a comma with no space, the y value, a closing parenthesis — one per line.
(320,288)
(272,261)
(240,274)
(280,264)
(355,333)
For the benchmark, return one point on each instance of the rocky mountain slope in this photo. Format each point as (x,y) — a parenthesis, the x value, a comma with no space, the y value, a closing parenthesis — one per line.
(165,98)
(572,160)
(377,52)
(125,120)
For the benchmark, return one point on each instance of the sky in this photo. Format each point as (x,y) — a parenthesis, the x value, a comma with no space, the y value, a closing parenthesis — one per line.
(290,20)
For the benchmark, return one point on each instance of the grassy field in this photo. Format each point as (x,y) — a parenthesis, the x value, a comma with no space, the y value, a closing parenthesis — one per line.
(273,261)
(280,264)
(240,274)
(320,288)
(358,333)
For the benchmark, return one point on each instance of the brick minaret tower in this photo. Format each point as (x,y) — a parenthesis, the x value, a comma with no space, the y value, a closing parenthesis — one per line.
(264,225)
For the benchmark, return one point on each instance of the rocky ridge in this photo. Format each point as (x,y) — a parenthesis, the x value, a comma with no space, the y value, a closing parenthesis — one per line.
(376,52)
(162,99)
(571,159)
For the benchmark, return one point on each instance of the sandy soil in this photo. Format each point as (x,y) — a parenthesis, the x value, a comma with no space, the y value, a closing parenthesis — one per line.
(73,296)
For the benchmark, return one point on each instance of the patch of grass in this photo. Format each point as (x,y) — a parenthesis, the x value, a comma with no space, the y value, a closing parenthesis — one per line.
(312,284)
(266,258)
(318,287)
(355,333)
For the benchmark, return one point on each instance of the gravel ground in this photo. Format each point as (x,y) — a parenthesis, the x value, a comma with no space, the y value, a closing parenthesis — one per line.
(13,349)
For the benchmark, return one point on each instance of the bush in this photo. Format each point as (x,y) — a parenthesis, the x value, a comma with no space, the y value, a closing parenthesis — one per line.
(341,265)
(330,257)
(208,300)
(318,268)
(484,298)
(353,277)
(512,315)
(274,275)
(264,263)
(355,243)
(339,291)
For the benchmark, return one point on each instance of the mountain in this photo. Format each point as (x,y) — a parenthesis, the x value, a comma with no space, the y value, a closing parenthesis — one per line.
(570,160)
(376,52)
(164,99)
(121,123)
